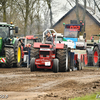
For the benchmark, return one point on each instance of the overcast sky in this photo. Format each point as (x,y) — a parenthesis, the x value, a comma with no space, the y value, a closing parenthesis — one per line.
(59,8)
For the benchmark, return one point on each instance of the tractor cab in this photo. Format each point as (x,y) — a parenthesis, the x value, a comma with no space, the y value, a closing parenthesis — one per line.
(3,31)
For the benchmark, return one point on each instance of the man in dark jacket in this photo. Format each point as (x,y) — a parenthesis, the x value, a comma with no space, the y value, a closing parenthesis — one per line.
(49,38)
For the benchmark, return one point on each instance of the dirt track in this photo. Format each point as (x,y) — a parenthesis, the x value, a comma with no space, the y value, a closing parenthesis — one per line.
(21,84)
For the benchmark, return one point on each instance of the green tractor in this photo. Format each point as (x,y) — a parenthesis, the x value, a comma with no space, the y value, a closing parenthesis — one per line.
(10,46)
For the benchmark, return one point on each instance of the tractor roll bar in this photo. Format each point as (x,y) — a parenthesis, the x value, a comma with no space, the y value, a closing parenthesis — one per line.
(50,30)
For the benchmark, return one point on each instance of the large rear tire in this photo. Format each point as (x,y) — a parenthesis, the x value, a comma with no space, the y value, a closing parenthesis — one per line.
(32,65)
(55,65)
(10,60)
(34,53)
(96,56)
(62,55)
(90,57)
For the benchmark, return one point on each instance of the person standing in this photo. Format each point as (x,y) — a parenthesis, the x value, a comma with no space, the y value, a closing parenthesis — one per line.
(22,44)
(26,54)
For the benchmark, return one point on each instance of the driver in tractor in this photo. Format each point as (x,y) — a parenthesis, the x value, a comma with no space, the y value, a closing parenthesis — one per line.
(49,38)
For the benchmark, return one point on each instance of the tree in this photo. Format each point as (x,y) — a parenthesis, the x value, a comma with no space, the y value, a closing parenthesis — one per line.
(25,7)
(3,3)
(49,6)
(97,5)
(77,12)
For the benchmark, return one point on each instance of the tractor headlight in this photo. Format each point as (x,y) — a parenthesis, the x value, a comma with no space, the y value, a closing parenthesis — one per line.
(47,56)
(41,55)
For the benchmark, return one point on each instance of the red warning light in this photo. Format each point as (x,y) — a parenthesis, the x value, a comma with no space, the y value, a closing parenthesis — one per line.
(80,21)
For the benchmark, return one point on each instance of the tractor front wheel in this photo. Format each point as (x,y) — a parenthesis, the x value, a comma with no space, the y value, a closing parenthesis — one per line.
(32,65)
(62,55)
(55,65)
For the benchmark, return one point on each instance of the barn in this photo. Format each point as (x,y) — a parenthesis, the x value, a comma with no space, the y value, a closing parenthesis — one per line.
(92,21)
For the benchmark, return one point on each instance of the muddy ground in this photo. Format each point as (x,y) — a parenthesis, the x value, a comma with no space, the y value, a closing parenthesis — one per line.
(21,84)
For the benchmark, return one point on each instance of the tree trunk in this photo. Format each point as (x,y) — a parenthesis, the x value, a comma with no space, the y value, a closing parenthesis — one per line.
(4,10)
(77,12)
(51,16)
(49,5)
(26,17)
(84,13)
(11,10)
(97,5)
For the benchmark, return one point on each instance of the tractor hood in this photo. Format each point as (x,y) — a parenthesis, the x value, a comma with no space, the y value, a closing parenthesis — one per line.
(40,45)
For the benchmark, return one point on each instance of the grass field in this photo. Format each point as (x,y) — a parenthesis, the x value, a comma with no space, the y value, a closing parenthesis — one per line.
(95,96)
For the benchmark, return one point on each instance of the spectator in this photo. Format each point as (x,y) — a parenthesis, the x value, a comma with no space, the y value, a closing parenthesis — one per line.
(22,44)
(26,54)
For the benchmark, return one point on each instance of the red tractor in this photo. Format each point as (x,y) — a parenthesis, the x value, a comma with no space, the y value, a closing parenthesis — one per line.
(50,55)
(29,39)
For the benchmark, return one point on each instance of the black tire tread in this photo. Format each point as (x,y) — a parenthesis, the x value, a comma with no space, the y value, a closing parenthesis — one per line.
(61,55)
(9,53)
(34,53)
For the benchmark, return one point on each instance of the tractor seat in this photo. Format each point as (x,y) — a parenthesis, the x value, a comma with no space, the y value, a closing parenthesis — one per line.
(48,42)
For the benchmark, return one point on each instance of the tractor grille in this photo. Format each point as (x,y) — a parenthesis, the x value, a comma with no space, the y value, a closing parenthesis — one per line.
(44,53)
(90,44)
(44,46)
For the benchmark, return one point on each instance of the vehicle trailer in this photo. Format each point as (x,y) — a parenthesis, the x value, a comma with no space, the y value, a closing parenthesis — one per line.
(74,40)
(51,55)
(10,48)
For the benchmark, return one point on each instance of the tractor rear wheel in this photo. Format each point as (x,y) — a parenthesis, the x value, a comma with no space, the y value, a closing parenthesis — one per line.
(10,60)
(32,65)
(96,56)
(18,55)
(34,53)
(62,55)
(90,57)
(55,65)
